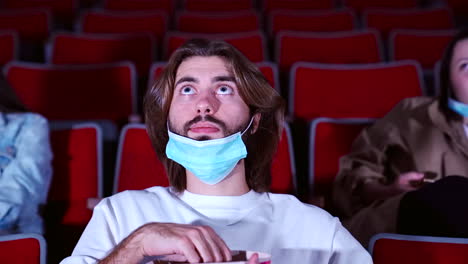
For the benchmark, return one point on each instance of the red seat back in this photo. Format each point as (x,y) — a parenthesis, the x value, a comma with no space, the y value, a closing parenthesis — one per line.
(23,249)
(360,5)
(459,7)
(8,46)
(283,167)
(329,140)
(371,90)
(137,166)
(77,172)
(269,5)
(62,10)
(139,5)
(251,44)
(75,92)
(218,22)
(339,47)
(413,45)
(314,21)
(218,5)
(405,249)
(31,25)
(103,21)
(387,19)
(85,48)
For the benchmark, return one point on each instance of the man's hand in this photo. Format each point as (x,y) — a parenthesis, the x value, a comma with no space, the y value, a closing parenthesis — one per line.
(177,242)
(253,259)
(408,181)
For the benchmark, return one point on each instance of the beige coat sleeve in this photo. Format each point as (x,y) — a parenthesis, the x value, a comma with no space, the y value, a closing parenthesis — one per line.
(379,154)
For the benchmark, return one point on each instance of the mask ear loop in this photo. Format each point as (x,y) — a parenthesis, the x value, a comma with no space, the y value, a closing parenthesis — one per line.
(248,126)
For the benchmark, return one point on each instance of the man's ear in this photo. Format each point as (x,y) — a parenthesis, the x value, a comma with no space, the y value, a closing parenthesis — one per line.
(255,123)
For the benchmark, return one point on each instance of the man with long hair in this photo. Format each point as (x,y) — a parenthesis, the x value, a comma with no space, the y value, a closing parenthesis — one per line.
(215,123)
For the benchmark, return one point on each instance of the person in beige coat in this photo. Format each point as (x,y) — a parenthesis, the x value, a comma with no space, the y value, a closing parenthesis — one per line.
(395,178)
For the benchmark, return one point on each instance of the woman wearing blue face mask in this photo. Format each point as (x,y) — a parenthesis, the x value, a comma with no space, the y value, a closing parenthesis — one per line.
(407,173)
(25,165)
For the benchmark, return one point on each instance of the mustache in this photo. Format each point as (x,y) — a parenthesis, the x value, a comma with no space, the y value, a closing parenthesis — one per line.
(206,118)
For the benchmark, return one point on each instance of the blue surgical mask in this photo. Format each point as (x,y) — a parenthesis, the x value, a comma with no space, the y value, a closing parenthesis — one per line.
(458,107)
(210,160)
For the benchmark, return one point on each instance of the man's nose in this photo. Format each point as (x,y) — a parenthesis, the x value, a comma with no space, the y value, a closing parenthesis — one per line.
(207,105)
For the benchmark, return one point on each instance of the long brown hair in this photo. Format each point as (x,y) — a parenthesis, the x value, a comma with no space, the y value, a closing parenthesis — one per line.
(446,85)
(254,90)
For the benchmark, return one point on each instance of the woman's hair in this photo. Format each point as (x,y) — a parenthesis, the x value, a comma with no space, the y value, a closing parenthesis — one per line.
(445,84)
(253,88)
(9,102)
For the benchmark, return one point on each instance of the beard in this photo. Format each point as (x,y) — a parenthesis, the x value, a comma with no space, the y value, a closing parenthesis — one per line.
(208,118)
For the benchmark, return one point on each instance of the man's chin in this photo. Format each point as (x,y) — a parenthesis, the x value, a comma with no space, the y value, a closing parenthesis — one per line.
(203,138)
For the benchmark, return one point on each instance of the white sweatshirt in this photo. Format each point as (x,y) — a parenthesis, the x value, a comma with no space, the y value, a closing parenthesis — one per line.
(263,222)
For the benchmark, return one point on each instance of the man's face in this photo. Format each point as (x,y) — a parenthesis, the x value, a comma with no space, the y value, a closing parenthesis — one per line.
(459,70)
(206,103)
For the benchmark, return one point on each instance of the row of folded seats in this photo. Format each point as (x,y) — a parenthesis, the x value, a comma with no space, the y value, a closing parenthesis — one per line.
(149,41)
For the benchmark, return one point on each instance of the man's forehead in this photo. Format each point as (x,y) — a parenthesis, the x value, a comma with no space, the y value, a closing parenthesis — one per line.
(198,64)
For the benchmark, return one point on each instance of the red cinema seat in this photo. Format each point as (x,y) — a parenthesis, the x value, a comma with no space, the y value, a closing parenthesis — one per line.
(217,22)
(384,20)
(217,5)
(311,21)
(23,248)
(459,7)
(139,5)
(269,70)
(89,48)
(9,46)
(105,21)
(269,5)
(77,171)
(77,180)
(337,47)
(359,5)
(252,44)
(405,249)
(31,25)
(329,140)
(63,11)
(138,167)
(358,91)
(424,46)
(75,92)
(283,167)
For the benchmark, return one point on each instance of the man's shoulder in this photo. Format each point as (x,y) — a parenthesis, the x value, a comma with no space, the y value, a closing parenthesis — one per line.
(290,204)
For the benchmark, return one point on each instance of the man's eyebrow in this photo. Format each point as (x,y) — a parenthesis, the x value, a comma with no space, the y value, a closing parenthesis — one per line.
(223,78)
(186,79)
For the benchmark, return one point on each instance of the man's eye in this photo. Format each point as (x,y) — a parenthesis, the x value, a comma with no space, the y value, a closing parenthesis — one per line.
(224,90)
(187,90)
(464,66)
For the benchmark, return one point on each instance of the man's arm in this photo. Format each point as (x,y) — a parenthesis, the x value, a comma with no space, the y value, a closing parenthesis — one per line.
(175,241)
